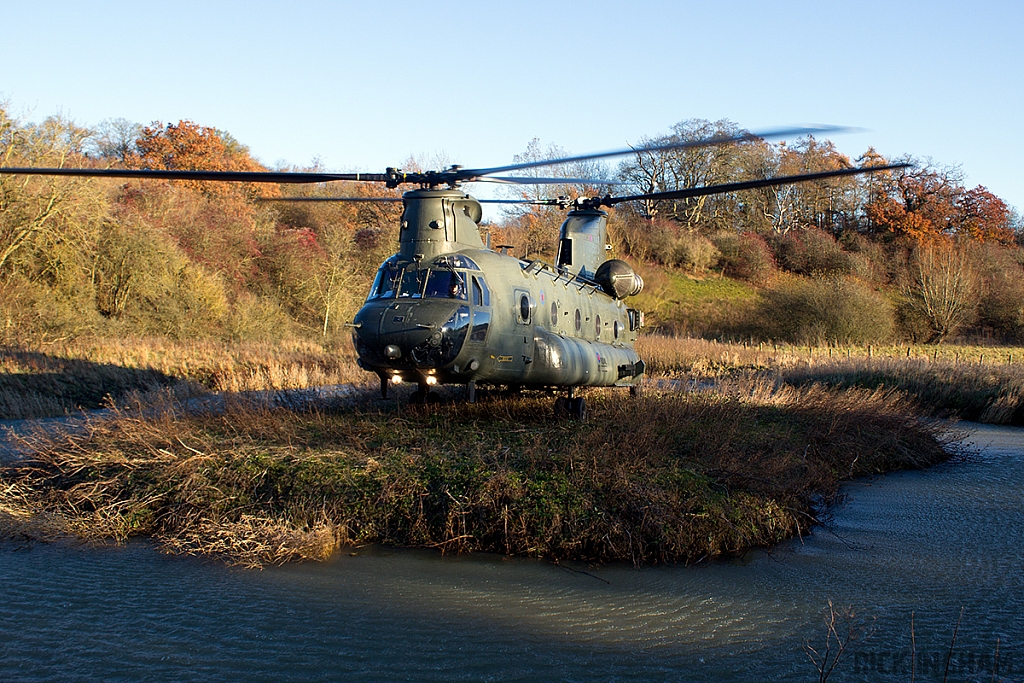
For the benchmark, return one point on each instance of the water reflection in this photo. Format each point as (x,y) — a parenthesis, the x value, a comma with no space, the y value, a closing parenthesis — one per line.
(926,542)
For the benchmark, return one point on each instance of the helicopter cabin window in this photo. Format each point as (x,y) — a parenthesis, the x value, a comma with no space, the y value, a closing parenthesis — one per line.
(525,308)
(597,326)
(384,283)
(412,284)
(554,314)
(616,329)
(446,284)
(579,320)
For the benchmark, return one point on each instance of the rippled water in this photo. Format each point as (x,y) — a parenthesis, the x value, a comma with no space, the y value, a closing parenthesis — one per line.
(923,542)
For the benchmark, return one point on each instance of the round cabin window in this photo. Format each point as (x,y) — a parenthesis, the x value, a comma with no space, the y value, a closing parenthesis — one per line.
(597,326)
(554,314)
(579,320)
(616,328)
(524,308)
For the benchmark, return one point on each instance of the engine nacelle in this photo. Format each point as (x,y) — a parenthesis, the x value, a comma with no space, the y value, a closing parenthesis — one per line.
(618,279)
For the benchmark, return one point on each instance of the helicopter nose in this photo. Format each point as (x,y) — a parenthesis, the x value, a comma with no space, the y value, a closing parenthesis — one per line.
(422,334)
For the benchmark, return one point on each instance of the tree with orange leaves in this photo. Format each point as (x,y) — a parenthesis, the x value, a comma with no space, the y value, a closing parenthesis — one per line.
(186,146)
(216,223)
(927,204)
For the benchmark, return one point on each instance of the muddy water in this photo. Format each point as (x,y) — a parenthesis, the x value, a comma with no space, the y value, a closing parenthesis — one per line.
(926,543)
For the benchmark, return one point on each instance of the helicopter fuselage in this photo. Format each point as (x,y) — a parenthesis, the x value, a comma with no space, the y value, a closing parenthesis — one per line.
(447,310)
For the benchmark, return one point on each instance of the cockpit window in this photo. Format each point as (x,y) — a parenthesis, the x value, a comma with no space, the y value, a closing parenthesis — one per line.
(446,284)
(386,280)
(412,284)
(481,295)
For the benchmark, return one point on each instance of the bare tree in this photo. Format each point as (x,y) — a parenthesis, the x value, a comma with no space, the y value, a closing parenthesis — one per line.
(114,139)
(943,288)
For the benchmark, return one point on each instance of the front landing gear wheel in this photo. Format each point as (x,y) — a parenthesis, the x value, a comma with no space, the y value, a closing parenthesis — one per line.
(417,398)
(578,408)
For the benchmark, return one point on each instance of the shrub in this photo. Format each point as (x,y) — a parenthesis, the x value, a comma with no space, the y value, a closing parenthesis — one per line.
(745,256)
(814,252)
(694,252)
(259,319)
(826,310)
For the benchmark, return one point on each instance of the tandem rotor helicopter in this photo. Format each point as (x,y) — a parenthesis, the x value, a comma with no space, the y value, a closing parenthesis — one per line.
(449,309)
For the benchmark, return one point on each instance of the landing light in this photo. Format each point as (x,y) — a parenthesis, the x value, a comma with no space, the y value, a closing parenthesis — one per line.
(396,379)
(431,380)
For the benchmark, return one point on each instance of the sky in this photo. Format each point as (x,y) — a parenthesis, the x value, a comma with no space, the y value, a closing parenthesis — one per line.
(363,86)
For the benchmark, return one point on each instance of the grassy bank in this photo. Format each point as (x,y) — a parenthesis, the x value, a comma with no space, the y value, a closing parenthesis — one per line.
(668,477)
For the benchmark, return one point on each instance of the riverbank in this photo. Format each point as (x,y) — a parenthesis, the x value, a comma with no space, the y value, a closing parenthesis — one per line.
(668,477)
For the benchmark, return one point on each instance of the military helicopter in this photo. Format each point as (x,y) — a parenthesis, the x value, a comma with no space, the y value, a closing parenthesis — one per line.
(447,308)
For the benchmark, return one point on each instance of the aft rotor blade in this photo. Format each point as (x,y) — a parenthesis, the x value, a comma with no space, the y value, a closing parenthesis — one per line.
(703,142)
(226,176)
(749,184)
(539,202)
(519,180)
(536,202)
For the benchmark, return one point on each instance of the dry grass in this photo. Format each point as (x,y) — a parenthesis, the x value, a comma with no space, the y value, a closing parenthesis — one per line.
(60,379)
(984,384)
(669,477)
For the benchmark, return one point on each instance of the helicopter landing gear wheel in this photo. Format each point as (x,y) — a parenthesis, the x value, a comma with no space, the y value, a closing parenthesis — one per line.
(578,409)
(636,391)
(471,392)
(417,398)
(561,408)
(383,386)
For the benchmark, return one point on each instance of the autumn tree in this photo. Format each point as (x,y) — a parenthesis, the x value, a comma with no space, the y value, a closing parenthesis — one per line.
(216,223)
(33,206)
(925,204)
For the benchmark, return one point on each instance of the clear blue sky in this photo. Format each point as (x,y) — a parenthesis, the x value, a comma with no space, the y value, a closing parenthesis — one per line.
(365,85)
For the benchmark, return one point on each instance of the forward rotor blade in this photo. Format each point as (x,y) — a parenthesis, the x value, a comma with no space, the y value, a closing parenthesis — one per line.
(227,176)
(704,142)
(330,199)
(749,184)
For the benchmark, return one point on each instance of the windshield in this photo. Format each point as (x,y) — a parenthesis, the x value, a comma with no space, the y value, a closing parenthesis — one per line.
(412,283)
(446,284)
(384,283)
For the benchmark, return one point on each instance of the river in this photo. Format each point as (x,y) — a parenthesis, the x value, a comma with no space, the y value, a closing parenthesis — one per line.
(927,543)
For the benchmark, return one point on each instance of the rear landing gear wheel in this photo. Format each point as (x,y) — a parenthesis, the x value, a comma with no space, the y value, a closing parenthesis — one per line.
(636,391)
(578,409)
(561,407)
